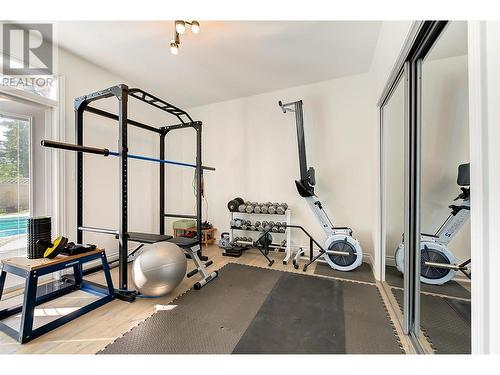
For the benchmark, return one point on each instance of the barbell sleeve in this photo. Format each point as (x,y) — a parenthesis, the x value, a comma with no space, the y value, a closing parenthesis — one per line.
(73,147)
(106,152)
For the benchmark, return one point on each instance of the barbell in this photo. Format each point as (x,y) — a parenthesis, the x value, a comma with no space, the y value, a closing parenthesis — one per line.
(106,152)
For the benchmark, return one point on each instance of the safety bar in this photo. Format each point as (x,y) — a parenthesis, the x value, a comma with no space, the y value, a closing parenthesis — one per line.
(98,230)
(181,216)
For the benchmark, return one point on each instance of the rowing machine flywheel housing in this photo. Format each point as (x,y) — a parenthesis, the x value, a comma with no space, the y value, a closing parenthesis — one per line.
(430,251)
(345,243)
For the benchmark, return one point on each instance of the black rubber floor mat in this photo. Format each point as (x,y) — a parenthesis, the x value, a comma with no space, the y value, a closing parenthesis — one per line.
(453,289)
(324,315)
(362,273)
(304,314)
(445,322)
(210,320)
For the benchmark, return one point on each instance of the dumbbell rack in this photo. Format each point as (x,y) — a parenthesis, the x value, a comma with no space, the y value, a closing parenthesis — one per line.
(253,217)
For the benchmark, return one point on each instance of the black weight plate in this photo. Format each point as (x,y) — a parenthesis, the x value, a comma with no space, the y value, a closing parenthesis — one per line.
(435,256)
(233,205)
(343,260)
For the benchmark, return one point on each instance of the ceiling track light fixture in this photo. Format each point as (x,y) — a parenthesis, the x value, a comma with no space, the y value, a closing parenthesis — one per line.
(180,28)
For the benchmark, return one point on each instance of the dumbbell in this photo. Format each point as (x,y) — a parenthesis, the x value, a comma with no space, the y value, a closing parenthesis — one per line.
(260,228)
(256,209)
(234,204)
(237,223)
(242,207)
(282,208)
(265,223)
(264,209)
(272,209)
(252,227)
(257,224)
(245,241)
(282,229)
(249,208)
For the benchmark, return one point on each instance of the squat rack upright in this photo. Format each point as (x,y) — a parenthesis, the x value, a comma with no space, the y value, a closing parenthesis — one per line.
(122,93)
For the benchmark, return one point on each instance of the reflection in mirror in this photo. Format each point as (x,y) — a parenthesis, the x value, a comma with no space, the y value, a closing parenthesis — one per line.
(445,240)
(393,189)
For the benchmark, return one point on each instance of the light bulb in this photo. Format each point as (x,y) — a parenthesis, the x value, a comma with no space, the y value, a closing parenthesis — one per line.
(195,27)
(174,48)
(180,27)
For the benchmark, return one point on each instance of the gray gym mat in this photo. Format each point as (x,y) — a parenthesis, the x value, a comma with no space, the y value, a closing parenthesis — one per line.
(304,313)
(453,289)
(362,273)
(210,320)
(445,322)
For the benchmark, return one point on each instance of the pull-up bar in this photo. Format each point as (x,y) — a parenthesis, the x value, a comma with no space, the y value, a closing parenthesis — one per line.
(106,152)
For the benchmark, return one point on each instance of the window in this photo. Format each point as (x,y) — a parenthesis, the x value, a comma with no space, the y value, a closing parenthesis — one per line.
(14,183)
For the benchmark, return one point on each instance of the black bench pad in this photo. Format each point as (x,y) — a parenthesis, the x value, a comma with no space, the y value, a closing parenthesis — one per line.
(184,242)
(148,237)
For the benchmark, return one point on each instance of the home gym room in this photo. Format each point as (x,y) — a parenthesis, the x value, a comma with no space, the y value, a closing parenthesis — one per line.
(193,186)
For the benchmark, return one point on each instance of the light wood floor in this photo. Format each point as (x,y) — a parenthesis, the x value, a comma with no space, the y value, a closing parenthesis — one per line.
(92,332)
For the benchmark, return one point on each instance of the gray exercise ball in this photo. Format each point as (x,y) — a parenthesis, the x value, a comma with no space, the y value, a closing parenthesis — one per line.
(159,269)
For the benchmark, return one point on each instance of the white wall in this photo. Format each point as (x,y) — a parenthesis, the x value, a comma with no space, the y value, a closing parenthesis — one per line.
(254,147)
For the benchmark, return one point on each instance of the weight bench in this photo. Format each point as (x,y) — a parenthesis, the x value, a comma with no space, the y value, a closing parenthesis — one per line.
(191,246)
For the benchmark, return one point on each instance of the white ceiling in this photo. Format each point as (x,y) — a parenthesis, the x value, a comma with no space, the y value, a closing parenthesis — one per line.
(226,60)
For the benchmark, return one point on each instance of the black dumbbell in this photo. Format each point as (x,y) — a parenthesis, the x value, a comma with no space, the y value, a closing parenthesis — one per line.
(234,204)
(281,208)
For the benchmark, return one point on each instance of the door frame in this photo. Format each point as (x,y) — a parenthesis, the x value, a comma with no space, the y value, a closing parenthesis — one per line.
(55,187)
